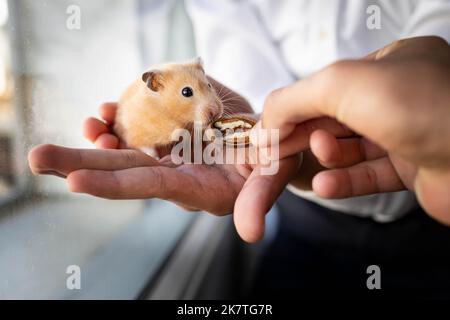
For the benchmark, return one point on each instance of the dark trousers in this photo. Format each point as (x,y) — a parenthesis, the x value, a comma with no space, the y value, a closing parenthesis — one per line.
(322,252)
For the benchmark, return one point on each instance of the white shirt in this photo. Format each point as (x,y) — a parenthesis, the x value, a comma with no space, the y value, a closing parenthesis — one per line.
(256,46)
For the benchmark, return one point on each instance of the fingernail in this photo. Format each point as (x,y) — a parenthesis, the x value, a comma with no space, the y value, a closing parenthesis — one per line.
(52,173)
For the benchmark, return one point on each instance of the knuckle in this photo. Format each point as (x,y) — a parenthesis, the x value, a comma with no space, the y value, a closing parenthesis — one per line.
(117,190)
(161,184)
(372,178)
(80,157)
(130,158)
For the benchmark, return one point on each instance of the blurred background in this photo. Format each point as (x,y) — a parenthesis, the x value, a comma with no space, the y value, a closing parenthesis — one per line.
(58,61)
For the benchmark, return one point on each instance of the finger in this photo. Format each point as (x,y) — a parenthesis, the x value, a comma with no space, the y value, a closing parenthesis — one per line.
(259,193)
(339,153)
(337,91)
(51,159)
(131,183)
(108,112)
(107,141)
(93,128)
(299,139)
(181,187)
(334,92)
(330,92)
(433,189)
(365,178)
(100,134)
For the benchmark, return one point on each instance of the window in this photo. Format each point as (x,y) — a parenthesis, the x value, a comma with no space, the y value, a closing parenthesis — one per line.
(63,67)
(9,132)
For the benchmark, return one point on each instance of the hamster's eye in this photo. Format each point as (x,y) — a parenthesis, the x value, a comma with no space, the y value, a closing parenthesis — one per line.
(187,92)
(209,85)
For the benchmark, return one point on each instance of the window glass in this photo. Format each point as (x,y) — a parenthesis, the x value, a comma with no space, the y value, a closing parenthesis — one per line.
(7,130)
(59,60)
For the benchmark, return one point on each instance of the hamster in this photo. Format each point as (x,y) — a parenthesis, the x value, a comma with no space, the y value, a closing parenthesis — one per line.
(167,97)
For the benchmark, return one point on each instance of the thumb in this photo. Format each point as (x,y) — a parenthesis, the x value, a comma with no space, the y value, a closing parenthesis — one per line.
(432,188)
(257,196)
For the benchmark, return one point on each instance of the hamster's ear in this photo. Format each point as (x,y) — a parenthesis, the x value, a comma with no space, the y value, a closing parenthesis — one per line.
(199,63)
(153,79)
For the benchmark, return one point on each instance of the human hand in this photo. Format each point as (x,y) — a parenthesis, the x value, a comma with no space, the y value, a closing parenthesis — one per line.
(115,172)
(397,100)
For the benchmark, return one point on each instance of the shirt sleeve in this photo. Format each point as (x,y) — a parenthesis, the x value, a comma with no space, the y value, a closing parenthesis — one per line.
(236,49)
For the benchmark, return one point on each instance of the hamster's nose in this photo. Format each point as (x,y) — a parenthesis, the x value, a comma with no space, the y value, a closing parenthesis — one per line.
(212,115)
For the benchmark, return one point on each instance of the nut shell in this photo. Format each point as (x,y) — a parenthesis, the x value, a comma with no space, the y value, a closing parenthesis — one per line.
(237,128)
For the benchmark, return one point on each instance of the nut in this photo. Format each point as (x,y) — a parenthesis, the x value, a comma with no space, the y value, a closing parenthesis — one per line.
(235,131)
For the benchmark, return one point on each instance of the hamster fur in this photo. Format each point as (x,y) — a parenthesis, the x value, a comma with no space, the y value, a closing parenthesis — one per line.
(155,105)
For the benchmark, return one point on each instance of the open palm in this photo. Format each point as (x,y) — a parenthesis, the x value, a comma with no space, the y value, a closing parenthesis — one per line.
(112,171)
